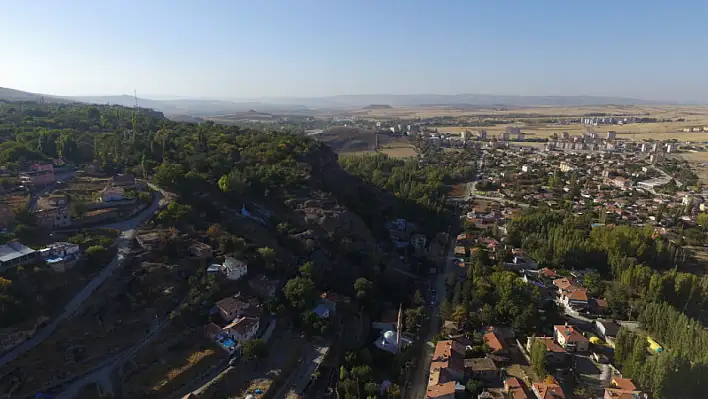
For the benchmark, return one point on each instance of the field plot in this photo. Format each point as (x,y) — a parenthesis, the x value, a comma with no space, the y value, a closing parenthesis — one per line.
(179,358)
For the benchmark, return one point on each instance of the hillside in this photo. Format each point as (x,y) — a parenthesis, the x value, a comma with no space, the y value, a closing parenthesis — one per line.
(353,139)
(7,94)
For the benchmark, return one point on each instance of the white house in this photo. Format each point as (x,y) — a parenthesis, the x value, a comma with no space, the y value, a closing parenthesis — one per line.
(570,339)
(109,194)
(243,329)
(233,268)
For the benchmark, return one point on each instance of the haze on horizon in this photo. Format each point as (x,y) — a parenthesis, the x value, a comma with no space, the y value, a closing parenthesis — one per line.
(282,48)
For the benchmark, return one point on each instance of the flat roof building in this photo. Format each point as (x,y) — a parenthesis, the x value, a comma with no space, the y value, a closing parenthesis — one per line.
(16,254)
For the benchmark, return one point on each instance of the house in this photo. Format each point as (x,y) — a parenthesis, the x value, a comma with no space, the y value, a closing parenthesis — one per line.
(563,283)
(243,328)
(125,180)
(200,250)
(445,390)
(495,343)
(263,286)
(234,306)
(570,338)
(233,268)
(598,305)
(547,391)
(60,255)
(52,211)
(575,297)
(622,388)
(607,329)
(547,273)
(482,369)
(447,365)
(513,389)
(111,194)
(555,354)
(16,254)
(38,174)
(149,240)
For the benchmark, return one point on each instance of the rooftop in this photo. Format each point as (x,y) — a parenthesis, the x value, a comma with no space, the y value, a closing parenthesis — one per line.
(14,250)
(548,391)
(570,333)
(441,390)
(494,341)
(480,364)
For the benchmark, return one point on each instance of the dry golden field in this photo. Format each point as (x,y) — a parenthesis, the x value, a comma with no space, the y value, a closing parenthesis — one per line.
(657,111)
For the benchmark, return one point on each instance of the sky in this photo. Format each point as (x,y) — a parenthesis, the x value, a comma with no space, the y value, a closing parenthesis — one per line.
(654,50)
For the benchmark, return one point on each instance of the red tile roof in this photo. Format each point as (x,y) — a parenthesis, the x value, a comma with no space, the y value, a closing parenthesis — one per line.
(570,333)
(548,391)
(624,383)
(441,390)
(563,283)
(494,341)
(514,387)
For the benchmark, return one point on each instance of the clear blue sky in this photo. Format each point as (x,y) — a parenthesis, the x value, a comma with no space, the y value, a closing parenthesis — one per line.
(248,49)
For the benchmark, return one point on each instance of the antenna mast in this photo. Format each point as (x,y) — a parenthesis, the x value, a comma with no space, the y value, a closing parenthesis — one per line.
(135,95)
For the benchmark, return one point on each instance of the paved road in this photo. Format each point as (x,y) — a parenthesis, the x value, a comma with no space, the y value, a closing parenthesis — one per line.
(419,381)
(300,377)
(127,232)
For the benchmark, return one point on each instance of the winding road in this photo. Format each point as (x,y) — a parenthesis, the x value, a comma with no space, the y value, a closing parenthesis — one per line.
(124,241)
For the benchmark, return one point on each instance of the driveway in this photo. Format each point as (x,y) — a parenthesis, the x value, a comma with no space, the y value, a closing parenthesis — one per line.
(123,244)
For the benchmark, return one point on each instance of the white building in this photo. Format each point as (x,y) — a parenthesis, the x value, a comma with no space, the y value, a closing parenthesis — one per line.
(110,194)
(243,329)
(565,167)
(570,339)
(525,168)
(233,268)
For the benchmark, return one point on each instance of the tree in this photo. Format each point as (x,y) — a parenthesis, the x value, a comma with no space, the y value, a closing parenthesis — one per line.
(473,387)
(460,316)
(268,255)
(363,288)
(255,349)
(77,209)
(300,292)
(95,254)
(702,220)
(418,298)
(538,358)
(175,212)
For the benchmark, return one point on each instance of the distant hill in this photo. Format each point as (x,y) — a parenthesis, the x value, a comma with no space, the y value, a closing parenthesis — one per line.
(308,106)
(17,95)
(418,100)
(378,106)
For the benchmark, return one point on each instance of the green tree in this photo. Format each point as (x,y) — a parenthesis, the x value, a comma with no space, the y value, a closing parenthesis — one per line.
(269,256)
(255,349)
(538,358)
(300,292)
(364,289)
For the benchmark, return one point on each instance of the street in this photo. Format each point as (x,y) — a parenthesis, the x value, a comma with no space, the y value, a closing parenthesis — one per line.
(419,378)
(124,241)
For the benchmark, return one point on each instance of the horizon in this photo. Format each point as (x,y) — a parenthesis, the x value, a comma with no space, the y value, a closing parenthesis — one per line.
(236,51)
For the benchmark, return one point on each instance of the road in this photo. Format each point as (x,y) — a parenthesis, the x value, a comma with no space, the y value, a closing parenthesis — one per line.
(419,380)
(472,194)
(123,245)
(300,377)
